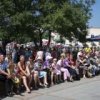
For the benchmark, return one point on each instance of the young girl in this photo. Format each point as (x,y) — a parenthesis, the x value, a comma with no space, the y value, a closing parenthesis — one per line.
(56,72)
(13,72)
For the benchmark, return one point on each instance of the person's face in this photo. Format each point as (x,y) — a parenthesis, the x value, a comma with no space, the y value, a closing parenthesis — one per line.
(81,58)
(71,56)
(1,57)
(55,61)
(62,58)
(30,59)
(22,58)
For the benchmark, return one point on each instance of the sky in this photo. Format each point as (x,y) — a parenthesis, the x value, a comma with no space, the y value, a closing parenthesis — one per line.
(95,20)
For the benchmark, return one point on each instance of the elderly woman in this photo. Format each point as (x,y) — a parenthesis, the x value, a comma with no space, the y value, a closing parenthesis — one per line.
(60,65)
(70,64)
(24,73)
(48,69)
(38,66)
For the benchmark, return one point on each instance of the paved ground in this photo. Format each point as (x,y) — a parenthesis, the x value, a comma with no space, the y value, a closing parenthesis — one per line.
(86,89)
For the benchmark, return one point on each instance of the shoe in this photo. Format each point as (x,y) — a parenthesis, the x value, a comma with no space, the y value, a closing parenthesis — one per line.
(28,91)
(9,94)
(61,81)
(41,86)
(18,93)
(57,82)
(36,88)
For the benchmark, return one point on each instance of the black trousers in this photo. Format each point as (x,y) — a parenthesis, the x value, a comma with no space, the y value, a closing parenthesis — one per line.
(7,84)
(73,73)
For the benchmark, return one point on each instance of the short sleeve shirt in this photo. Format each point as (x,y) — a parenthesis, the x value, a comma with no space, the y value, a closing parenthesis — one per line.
(37,65)
(3,66)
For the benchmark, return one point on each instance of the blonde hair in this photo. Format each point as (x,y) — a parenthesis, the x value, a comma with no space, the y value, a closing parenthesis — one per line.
(62,55)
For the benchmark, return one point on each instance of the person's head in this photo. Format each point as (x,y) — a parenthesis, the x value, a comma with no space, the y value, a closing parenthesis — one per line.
(31,58)
(11,64)
(81,57)
(68,55)
(22,58)
(71,56)
(1,57)
(62,56)
(26,49)
(54,60)
(49,58)
(64,50)
(39,59)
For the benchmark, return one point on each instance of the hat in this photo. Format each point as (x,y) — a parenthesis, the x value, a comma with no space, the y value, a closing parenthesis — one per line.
(54,59)
(48,57)
(39,58)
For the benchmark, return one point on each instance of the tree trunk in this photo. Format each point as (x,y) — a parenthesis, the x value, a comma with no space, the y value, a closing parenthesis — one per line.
(35,42)
(40,37)
(49,40)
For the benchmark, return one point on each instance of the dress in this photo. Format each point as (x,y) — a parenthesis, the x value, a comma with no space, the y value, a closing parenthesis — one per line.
(55,70)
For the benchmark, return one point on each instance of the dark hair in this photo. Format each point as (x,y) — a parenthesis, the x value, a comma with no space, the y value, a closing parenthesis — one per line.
(31,57)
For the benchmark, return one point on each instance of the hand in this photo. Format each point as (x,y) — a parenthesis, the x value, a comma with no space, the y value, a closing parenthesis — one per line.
(27,75)
(8,76)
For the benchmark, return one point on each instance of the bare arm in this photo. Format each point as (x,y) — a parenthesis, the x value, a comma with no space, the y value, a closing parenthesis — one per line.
(22,69)
(3,72)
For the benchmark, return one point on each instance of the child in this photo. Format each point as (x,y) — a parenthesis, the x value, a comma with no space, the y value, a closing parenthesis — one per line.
(13,71)
(55,71)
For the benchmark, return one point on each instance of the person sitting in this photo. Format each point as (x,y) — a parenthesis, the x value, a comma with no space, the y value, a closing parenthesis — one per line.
(60,66)
(70,64)
(13,72)
(82,66)
(34,73)
(38,66)
(24,73)
(47,68)
(4,75)
(56,72)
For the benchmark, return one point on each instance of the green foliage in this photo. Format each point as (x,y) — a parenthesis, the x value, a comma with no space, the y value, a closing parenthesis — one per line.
(26,20)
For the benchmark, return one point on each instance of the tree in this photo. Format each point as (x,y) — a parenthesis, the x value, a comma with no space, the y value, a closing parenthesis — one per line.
(28,20)
(16,18)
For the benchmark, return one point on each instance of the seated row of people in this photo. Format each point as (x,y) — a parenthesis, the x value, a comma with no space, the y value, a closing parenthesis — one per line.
(39,73)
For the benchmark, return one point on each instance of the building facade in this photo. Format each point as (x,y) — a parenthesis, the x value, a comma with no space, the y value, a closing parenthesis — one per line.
(93,31)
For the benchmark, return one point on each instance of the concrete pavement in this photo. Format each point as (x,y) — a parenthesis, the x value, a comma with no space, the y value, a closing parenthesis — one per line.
(86,89)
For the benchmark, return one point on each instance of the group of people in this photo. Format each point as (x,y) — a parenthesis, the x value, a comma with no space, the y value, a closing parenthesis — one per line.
(27,69)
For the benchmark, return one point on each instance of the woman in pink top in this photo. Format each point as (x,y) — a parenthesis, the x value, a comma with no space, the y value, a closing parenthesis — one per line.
(60,65)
